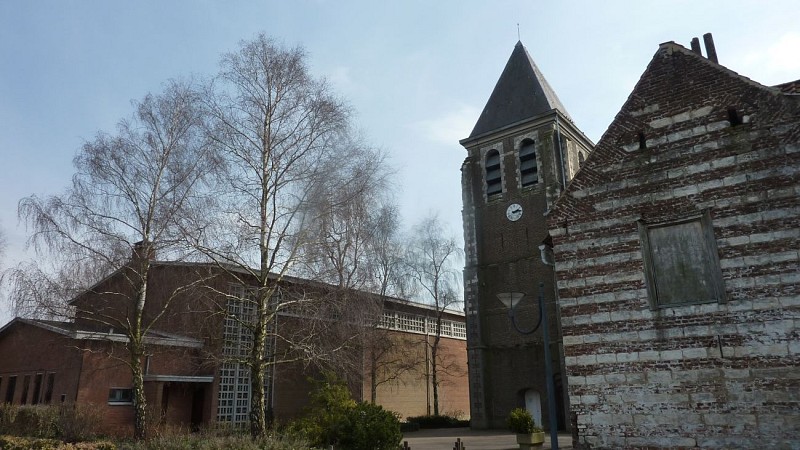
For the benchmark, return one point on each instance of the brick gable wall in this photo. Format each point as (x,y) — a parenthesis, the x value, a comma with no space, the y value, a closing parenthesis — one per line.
(716,375)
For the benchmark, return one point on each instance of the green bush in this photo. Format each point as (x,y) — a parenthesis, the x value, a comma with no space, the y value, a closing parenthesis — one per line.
(78,423)
(370,427)
(407,427)
(65,422)
(211,440)
(336,419)
(520,421)
(31,421)
(99,445)
(440,421)
(27,443)
(330,403)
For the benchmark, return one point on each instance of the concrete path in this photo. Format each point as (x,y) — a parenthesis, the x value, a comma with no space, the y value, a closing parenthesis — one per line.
(445,438)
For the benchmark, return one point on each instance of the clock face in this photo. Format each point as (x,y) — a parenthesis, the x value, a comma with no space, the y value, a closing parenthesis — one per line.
(514,212)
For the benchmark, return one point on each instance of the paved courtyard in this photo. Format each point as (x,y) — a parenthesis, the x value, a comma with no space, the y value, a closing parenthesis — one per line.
(444,438)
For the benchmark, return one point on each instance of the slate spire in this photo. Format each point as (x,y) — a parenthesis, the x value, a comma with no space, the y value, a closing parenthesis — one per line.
(521,93)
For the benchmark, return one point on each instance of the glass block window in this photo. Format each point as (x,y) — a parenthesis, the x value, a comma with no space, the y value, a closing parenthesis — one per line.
(388,320)
(234,376)
(459,330)
(419,324)
(410,322)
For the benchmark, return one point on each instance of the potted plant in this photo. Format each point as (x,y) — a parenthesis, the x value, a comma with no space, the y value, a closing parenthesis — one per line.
(528,434)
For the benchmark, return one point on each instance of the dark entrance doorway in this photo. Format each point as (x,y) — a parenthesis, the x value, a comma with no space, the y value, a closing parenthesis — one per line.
(198,403)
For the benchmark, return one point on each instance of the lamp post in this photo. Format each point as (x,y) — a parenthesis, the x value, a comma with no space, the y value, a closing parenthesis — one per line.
(511,301)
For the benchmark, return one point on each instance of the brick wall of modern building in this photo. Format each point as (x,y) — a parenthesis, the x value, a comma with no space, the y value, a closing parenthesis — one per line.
(412,393)
(722,374)
(85,369)
(409,395)
(27,350)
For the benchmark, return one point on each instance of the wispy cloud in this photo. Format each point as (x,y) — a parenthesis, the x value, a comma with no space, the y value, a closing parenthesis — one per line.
(340,77)
(775,63)
(449,127)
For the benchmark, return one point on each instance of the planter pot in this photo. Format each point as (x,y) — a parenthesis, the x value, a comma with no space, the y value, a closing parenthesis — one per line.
(526,441)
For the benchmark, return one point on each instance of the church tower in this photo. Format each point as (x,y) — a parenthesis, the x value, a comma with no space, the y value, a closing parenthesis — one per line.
(523,151)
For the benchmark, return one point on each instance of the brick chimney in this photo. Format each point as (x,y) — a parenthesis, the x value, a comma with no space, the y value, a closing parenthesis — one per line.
(696,46)
(711,52)
(143,250)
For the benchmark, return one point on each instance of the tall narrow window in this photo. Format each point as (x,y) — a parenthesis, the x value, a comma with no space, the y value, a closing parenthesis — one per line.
(48,392)
(528,170)
(37,388)
(233,401)
(12,385)
(26,383)
(580,159)
(494,177)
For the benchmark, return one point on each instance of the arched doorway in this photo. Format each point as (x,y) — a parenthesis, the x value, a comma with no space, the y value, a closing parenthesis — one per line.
(533,403)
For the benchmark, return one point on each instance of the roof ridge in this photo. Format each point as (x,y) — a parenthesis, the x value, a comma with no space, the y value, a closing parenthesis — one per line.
(673,46)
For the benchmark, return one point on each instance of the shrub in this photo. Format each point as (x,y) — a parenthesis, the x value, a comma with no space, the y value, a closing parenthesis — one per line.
(406,427)
(27,443)
(77,423)
(65,422)
(330,403)
(370,427)
(336,419)
(438,421)
(212,440)
(26,420)
(99,445)
(520,421)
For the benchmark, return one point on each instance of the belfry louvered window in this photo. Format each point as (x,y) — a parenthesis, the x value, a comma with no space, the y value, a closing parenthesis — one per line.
(528,171)
(494,180)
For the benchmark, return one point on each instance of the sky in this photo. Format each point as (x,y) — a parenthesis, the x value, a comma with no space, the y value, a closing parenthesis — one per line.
(416,73)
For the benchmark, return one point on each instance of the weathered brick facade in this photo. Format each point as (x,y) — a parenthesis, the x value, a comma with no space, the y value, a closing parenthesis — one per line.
(676,249)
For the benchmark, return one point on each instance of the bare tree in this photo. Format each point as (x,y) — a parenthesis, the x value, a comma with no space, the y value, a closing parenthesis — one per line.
(129,192)
(431,257)
(281,133)
(357,250)
(344,216)
(347,220)
(41,292)
(388,356)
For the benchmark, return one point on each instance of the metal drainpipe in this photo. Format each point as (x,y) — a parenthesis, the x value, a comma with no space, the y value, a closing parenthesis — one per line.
(548,368)
(549,362)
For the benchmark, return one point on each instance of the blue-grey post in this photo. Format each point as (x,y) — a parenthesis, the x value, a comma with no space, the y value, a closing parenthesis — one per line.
(548,369)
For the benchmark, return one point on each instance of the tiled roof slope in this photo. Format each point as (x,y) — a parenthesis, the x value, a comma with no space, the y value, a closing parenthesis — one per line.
(665,106)
(792,87)
(521,92)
